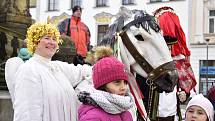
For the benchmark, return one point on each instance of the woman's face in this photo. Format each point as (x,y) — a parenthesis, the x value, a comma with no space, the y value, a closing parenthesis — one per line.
(118,87)
(47,47)
(195,113)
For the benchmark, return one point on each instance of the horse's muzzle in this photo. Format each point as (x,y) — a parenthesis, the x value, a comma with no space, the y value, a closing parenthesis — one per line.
(167,81)
(165,77)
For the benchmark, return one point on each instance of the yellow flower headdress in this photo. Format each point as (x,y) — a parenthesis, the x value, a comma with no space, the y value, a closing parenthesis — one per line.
(37,31)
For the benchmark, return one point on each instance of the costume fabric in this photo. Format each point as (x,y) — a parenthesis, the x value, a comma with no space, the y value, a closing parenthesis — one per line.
(204,103)
(104,106)
(187,80)
(211,95)
(44,90)
(170,25)
(167,104)
(80,34)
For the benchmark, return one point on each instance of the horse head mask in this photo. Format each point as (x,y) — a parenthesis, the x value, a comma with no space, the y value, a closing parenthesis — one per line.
(143,48)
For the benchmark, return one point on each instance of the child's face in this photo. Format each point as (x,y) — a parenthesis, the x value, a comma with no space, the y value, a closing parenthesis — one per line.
(195,113)
(118,87)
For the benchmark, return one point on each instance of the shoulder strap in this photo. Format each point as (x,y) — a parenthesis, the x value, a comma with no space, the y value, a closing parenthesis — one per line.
(68,28)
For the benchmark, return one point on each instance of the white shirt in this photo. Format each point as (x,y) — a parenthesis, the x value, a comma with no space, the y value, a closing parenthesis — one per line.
(167,104)
(44,90)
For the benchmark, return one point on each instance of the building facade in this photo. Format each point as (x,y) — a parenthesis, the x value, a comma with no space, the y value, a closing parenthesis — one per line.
(202,42)
(197,19)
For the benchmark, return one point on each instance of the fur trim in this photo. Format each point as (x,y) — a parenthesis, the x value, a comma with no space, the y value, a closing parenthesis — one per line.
(103,51)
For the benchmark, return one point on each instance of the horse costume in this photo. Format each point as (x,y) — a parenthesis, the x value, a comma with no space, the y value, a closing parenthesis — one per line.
(141,47)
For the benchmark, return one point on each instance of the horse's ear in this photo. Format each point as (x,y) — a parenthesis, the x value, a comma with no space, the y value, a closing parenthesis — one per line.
(124,12)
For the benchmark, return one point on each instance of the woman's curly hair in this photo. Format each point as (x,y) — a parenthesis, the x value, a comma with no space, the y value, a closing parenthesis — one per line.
(37,31)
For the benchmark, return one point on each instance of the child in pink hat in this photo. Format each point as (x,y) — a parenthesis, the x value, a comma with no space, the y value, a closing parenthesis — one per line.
(110,99)
(199,108)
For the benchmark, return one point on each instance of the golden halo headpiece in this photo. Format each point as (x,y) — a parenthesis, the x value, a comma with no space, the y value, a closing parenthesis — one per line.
(37,31)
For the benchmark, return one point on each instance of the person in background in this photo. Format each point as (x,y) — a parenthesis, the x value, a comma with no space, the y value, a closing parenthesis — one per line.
(44,89)
(199,108)
(15,46)
(3,43)
(24,54)
(109,100)
(79,33)
(211,95)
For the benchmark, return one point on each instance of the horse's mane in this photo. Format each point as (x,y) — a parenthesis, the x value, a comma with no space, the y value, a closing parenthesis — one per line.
(109,37)
(143,19)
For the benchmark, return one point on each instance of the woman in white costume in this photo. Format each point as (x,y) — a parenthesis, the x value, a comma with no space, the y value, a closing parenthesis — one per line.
(44,89)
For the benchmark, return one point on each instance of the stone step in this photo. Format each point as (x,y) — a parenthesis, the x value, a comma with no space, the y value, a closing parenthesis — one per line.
(6,108)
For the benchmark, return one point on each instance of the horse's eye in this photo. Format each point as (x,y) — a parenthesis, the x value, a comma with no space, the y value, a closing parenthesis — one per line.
(137,25)
(139,37)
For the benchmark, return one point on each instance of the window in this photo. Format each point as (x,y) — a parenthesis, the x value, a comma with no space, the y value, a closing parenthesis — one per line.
(52,5)
(207,75)
(152,1)
(101,32)
(127,2)
(100,3)
(211,21)
(76,2)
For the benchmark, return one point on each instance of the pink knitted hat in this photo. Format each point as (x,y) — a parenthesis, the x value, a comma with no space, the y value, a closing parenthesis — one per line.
(107,70)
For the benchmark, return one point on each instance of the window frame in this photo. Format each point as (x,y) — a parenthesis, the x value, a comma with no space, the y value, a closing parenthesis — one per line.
(127,2)
(211,17)
(102,32)
(76,2)
(101,3)
(54,6)
(154,1)
(206,78)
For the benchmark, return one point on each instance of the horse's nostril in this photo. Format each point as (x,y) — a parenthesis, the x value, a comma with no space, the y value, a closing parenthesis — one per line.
(139,37)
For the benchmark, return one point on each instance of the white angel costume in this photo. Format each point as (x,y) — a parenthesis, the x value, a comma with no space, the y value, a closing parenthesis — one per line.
(44,89)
